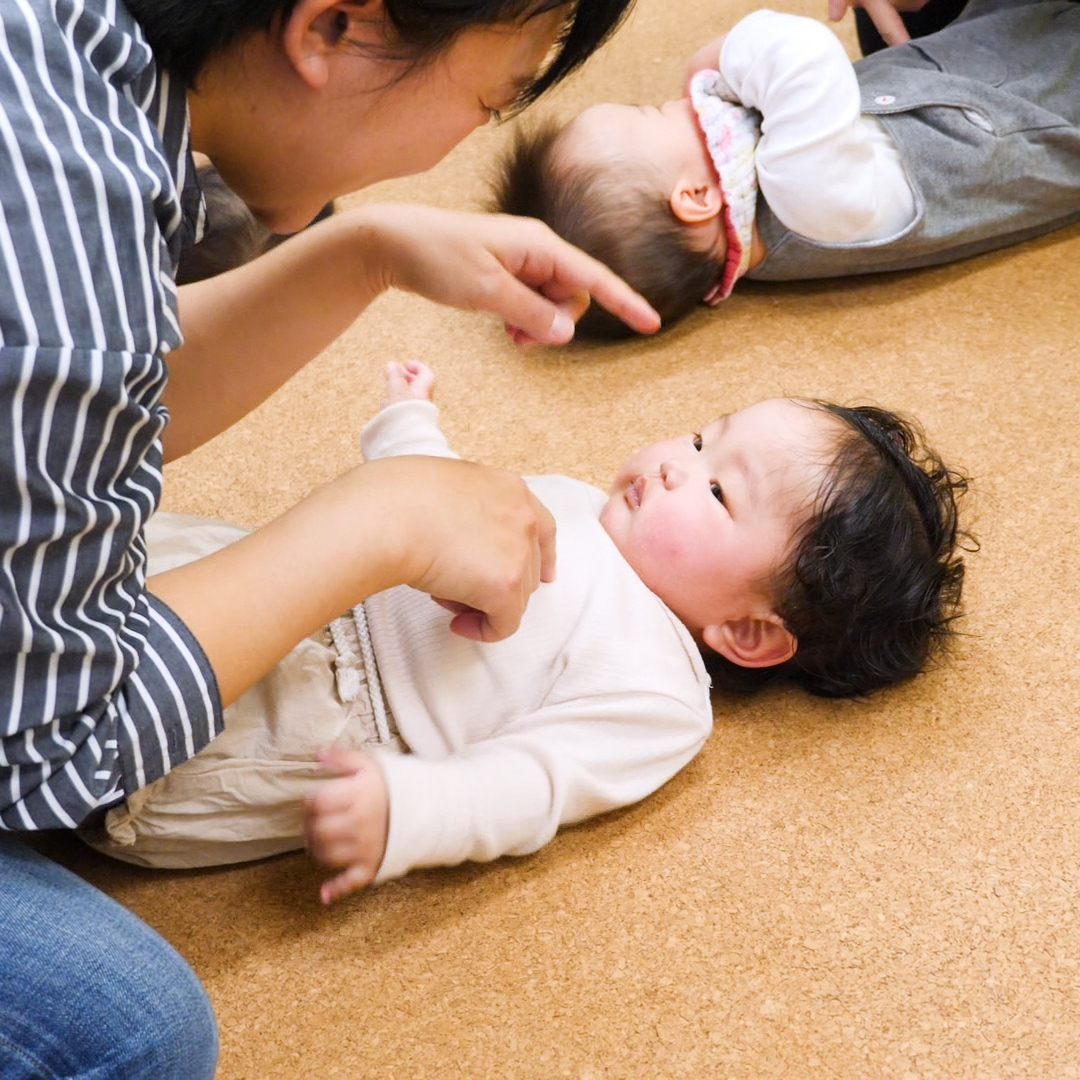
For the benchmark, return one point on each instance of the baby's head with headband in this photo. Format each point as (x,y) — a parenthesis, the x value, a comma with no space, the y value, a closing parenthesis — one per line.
(666,196)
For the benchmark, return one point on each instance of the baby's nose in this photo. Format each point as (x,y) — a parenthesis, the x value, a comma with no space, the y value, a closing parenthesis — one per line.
(671,474)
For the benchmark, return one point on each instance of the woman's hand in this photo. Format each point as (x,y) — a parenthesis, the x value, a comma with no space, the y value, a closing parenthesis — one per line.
(247,331)
(465,533)
(347,820)
(884,14)
(473,537)
(515,267)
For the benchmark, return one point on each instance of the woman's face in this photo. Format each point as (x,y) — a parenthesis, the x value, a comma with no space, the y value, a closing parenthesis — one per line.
(290,130)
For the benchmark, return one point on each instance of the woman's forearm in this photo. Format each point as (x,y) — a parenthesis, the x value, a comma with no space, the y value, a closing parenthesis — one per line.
(246,332)
(251,602)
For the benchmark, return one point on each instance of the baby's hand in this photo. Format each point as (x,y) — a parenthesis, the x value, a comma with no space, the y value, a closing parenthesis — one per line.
(408,382)
(347,820)
(707,58)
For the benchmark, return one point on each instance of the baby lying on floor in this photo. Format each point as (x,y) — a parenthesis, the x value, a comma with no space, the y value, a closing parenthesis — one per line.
(785,161)
(789,540)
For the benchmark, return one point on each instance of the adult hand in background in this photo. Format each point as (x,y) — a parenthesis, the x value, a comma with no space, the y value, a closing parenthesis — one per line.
(885,15)
(514,267)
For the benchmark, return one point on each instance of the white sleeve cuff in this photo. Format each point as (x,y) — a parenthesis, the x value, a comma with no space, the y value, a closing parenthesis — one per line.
(406,427)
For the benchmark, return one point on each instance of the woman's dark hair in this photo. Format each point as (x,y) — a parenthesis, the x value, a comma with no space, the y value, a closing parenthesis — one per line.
(184,34)
(874,582)
(624,221)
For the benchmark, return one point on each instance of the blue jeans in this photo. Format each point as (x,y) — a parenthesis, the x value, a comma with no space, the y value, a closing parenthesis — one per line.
(87,991)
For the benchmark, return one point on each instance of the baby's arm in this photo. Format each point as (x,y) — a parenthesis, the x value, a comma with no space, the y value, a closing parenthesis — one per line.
(409,421)
(508,795)
(346,821)
(504,796)
(827,172)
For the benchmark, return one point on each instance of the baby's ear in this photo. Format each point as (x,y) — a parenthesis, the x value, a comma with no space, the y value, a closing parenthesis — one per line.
(753,641)
(694,203)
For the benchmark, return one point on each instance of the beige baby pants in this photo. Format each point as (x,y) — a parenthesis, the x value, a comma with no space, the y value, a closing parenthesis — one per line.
(240,797)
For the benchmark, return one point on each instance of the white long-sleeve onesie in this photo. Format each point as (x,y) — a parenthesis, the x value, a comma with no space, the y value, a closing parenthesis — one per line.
(598,699)
(829,172)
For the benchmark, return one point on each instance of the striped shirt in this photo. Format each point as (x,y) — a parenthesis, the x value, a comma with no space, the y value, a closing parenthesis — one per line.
(102,688)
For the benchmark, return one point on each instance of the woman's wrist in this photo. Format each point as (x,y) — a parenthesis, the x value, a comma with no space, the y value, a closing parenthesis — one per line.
(375,245)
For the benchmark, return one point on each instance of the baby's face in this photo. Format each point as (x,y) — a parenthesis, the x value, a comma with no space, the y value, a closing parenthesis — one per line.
(707,520)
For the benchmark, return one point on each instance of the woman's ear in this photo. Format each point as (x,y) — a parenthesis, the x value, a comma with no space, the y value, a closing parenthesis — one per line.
(694,202)
(753,641)
(315,29)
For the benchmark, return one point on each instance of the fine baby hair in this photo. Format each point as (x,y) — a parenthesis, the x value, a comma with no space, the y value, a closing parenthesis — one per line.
(623,219)
(874,581)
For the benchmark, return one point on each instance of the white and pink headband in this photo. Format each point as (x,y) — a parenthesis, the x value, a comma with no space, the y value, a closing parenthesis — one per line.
(731,134)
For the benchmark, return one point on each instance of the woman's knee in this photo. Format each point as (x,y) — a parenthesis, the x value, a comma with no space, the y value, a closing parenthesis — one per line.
(89,991)
(170,1033)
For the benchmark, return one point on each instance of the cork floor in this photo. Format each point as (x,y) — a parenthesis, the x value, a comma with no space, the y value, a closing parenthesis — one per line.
(879,889)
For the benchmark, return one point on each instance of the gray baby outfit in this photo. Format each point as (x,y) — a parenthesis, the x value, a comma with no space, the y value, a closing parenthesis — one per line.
(986,116)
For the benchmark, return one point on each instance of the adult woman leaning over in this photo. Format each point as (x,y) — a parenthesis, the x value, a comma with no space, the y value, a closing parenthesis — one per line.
(108,680)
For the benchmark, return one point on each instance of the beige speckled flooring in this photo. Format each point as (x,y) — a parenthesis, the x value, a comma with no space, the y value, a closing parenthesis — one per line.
(884,889)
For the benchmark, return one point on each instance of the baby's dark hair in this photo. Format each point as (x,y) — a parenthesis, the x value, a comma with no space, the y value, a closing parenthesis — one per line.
(873,584)
(624,221)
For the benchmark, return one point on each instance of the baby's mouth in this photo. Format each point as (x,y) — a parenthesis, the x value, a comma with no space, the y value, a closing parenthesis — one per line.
(635,491)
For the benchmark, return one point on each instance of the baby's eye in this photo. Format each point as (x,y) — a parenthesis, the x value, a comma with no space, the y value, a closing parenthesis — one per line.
(697,442)
(717,494)
(494,116)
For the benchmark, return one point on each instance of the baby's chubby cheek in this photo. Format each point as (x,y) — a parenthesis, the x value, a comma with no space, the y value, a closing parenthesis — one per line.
(662,559)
